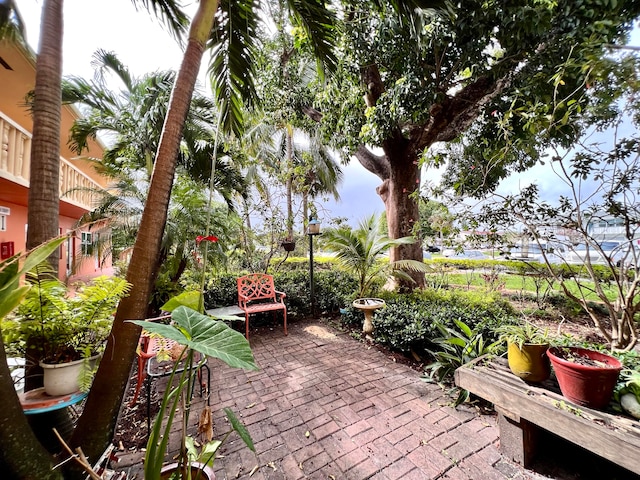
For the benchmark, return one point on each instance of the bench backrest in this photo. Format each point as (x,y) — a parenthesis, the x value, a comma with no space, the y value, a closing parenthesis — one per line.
(256,286)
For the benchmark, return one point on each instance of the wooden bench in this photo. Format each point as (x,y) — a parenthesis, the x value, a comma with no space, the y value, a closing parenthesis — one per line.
(525,410)
(257,293)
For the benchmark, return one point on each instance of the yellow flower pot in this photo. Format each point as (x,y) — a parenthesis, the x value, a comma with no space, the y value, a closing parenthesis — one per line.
(530,362)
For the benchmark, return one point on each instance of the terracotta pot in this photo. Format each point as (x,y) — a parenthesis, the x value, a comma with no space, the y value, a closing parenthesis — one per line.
(587,385)
(530,362)
(199,471)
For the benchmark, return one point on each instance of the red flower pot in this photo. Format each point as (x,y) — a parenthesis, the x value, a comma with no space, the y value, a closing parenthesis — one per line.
(586,377)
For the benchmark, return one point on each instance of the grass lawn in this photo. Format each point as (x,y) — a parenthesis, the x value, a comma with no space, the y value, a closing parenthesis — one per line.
(515,282)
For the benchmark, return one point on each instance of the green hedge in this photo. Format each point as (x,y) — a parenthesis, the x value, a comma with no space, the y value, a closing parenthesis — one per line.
(333,290)
(519,267)
(409,322)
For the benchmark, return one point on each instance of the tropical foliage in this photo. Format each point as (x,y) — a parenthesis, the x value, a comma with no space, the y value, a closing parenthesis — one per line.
(499,83)
(361,250)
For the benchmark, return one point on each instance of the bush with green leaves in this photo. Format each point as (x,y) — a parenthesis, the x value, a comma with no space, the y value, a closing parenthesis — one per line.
(221,291)
(333,290)
(410,322)
(457,345)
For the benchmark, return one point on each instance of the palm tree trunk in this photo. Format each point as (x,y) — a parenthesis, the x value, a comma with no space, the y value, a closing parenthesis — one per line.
(289,171)
(44,182)
(94,431)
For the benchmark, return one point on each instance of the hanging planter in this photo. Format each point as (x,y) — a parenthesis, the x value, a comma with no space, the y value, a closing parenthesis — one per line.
(586,377)
(288,245)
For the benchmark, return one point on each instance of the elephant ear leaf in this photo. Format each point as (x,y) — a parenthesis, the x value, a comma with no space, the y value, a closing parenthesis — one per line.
(191,299)
(203,334)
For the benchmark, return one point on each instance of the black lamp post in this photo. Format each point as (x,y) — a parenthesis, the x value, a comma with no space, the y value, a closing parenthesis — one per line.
(312,230)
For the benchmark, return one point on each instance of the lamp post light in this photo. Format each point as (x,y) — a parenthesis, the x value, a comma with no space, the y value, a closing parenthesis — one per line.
(312,230)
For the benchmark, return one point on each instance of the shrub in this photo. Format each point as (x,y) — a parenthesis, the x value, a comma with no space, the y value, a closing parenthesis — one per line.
(410,323)
(221,291)
(333,290)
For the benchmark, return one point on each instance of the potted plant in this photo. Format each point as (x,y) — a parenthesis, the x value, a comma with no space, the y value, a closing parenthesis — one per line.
(211,338)
(65,331)
(627,392)
(526,350)
(288,244)
(586,377)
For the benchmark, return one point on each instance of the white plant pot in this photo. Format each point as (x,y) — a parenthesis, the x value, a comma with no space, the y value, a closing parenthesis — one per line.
(62,378)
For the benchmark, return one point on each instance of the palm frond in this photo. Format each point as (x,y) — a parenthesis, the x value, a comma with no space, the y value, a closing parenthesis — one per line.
(231,67)
(12,26)
(170,12)
(104,61)
(319,24)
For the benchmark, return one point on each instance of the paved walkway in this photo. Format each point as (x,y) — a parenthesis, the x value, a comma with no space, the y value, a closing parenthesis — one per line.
(325,406)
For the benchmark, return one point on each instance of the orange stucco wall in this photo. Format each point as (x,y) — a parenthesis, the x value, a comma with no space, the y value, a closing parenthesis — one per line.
(70,267)
(15,82)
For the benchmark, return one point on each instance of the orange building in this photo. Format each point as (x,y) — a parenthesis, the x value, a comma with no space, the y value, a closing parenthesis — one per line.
(77,176)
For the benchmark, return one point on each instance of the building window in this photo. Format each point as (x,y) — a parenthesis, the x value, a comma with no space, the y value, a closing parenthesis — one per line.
(86,243)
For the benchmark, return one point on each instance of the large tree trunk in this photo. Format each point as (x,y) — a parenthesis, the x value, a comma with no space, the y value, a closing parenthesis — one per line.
(398,169)
(97,423)
(21,454)
(44,181)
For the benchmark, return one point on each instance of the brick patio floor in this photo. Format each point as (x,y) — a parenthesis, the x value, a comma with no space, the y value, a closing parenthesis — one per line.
(326,406)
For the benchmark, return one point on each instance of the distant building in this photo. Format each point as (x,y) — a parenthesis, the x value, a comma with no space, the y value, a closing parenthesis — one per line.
(77,176)
(607,228)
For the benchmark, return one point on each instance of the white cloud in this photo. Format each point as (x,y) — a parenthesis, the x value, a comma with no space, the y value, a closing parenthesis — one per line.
(140,41)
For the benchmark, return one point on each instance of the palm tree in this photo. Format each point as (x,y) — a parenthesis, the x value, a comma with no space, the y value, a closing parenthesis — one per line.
(43,201)
(133,117)
(307,167)
(296,154)
(231,70)
(25,458)
(361,251)
(20,452)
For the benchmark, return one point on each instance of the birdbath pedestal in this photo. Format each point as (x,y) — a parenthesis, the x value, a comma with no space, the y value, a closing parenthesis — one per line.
(368,306)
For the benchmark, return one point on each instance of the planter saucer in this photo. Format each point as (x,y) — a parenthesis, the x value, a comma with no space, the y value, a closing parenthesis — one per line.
(37,401)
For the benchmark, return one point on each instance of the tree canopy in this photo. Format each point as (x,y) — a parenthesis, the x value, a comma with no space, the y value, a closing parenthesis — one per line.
(496,83)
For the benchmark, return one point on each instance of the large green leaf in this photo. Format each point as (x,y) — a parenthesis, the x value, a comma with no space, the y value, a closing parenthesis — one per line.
(205,335)
(189,299)
(11,271)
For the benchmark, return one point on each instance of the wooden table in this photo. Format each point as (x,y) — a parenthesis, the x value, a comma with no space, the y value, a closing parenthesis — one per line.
(524,409)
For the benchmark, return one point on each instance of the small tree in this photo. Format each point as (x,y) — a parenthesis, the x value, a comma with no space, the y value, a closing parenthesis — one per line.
(603,185)
(360,251)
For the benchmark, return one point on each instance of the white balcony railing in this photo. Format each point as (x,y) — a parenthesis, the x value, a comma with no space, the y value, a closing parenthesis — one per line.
(15,154)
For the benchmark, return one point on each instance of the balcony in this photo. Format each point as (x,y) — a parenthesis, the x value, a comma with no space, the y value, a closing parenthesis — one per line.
(76,187)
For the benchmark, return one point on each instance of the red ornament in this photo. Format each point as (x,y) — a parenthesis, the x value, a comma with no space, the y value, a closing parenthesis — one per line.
(210,238)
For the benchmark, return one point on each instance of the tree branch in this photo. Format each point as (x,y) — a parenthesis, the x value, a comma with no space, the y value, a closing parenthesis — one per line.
(376,164)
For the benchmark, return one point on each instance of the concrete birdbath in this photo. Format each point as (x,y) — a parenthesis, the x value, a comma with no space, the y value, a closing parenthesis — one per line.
(368,306)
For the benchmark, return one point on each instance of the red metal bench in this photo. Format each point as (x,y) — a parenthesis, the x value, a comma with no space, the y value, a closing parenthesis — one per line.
(257,293)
